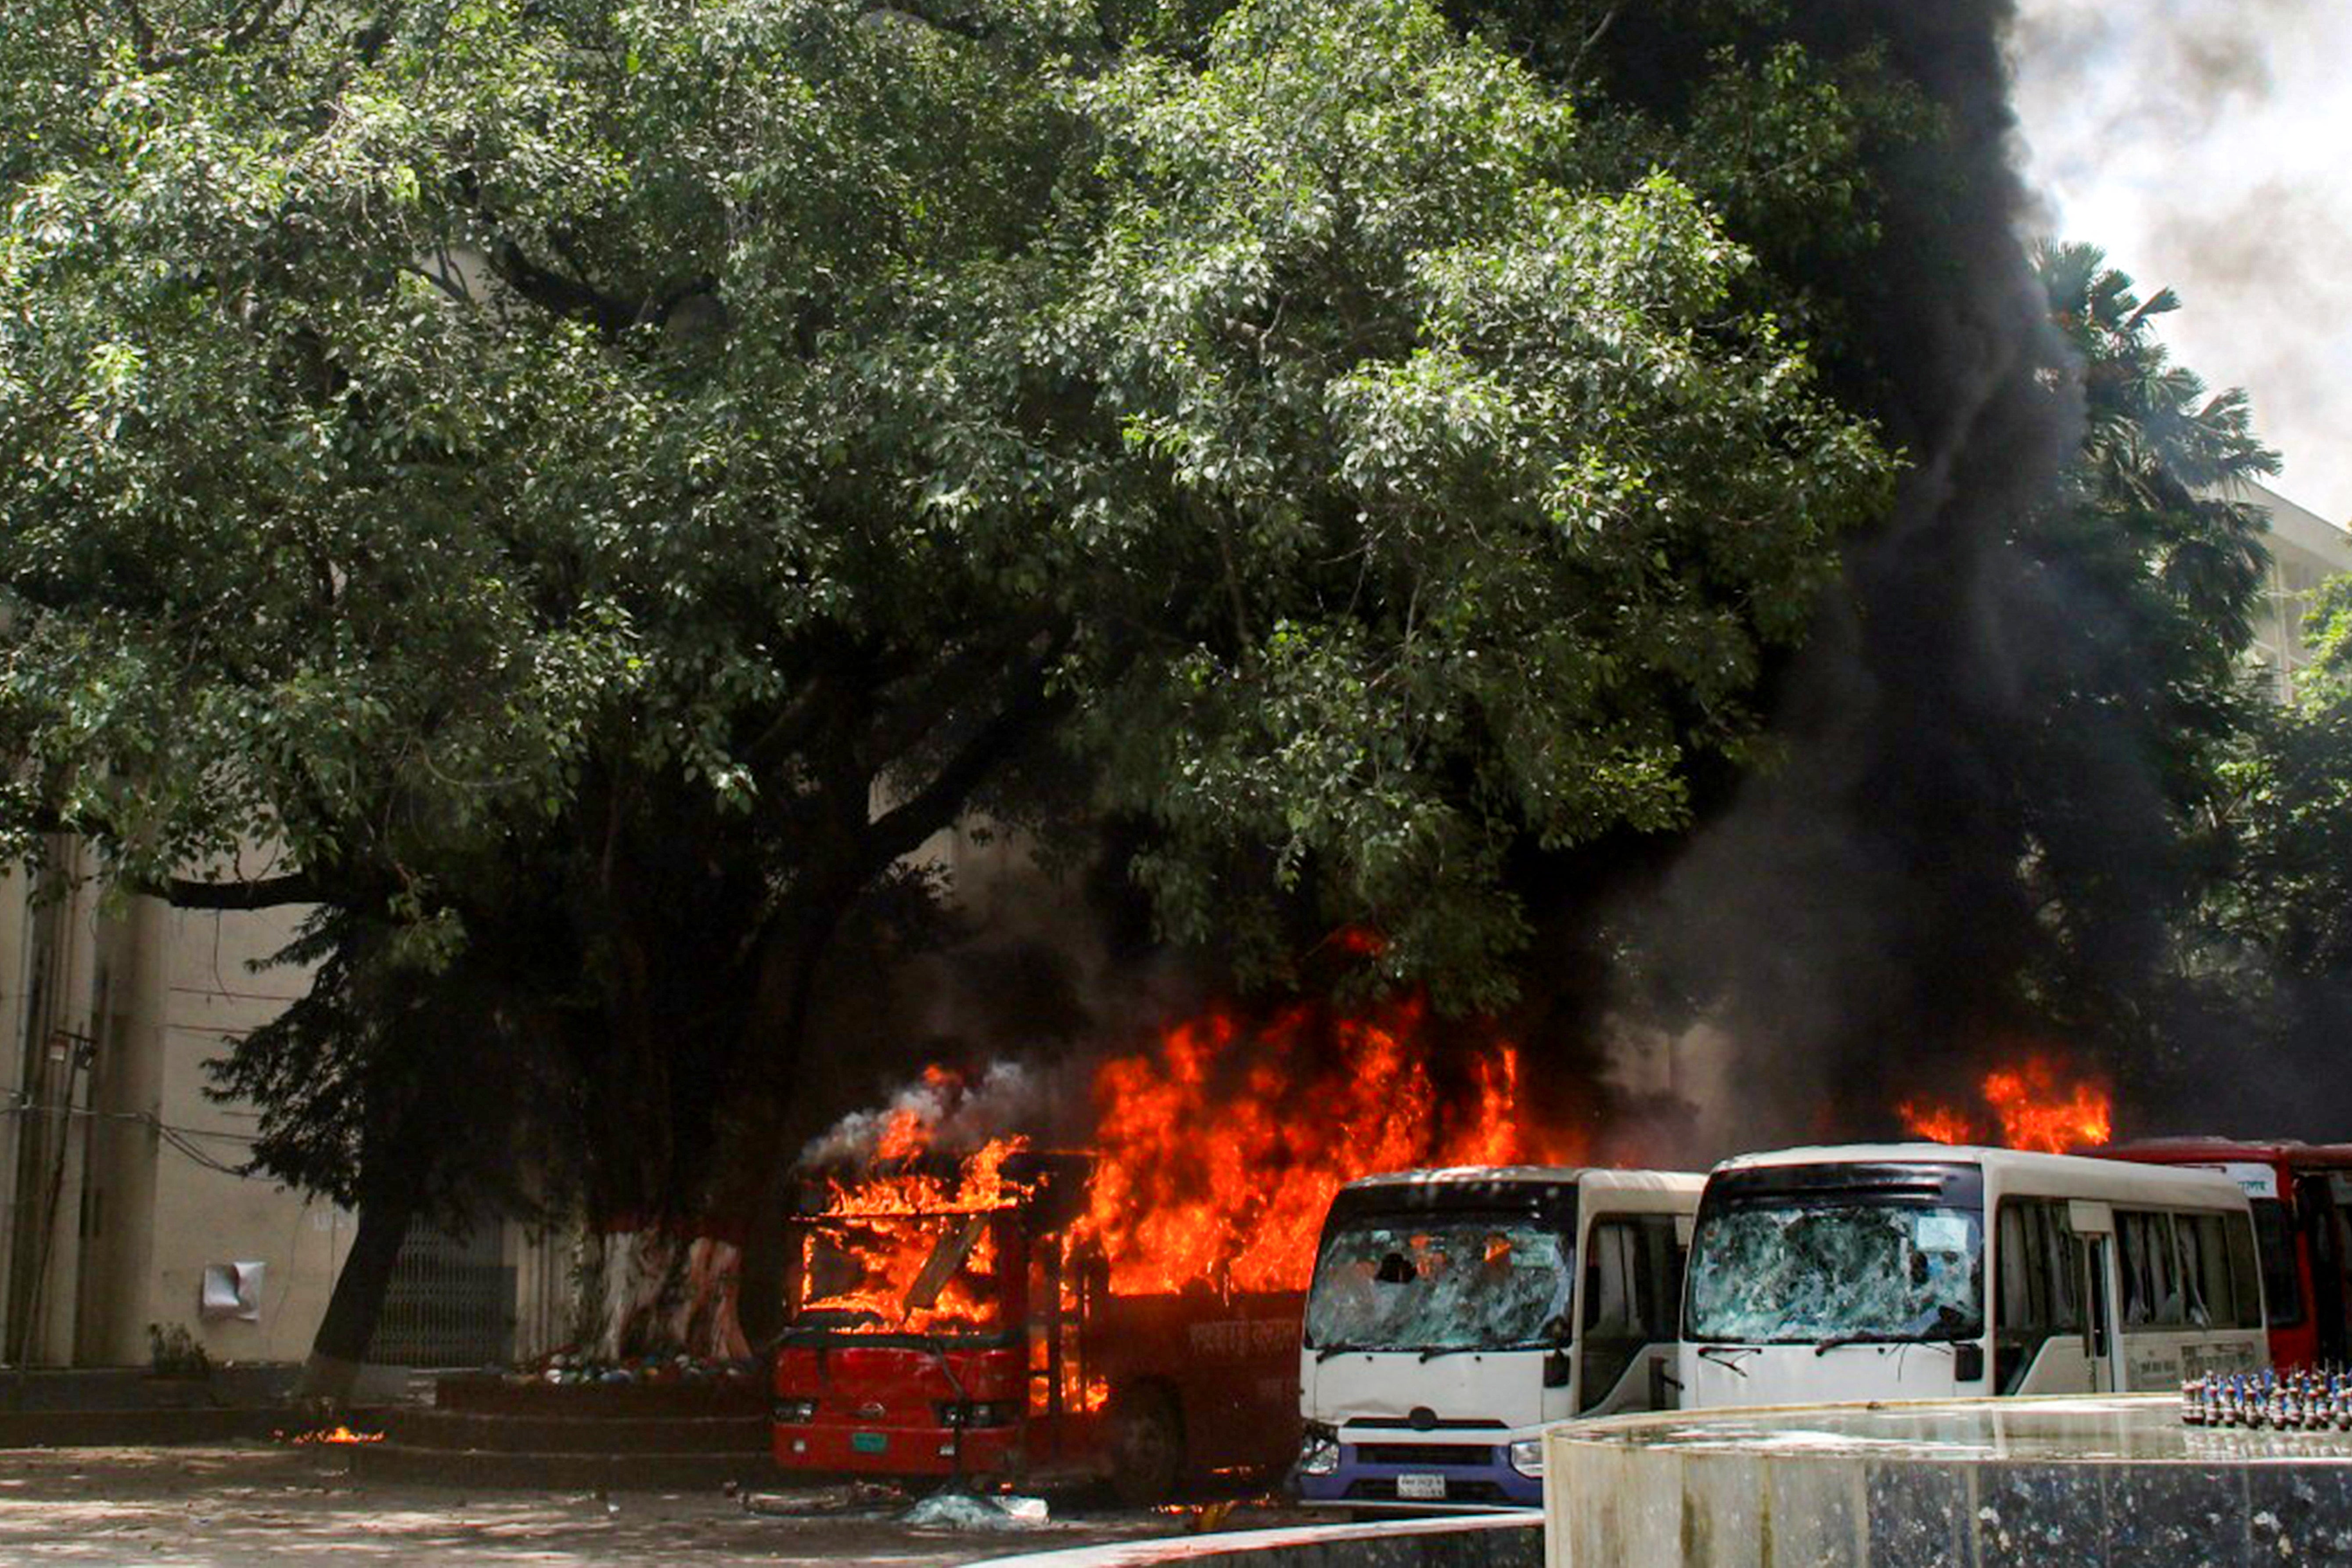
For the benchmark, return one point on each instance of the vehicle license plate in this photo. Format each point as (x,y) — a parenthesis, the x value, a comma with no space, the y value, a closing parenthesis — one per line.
(1420,1488)
(870,1442)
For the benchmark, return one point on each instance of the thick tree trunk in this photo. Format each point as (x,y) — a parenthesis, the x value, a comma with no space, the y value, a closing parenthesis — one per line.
(760,1299)
(340,1347)
(767,1169)
(658,1293)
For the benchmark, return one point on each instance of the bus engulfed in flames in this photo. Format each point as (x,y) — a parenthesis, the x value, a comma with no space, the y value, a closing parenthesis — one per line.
(2032,1104)
(1134,1307)
(1218,1151)
(904,1248)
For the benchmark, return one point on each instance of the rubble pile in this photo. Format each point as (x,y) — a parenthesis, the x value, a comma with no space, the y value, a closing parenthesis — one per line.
(566,1369)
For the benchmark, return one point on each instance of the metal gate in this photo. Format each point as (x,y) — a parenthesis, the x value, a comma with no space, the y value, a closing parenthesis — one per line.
(450,1303)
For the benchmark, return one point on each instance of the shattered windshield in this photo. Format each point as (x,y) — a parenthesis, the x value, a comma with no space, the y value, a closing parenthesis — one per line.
(1800,1271)
(1454,1282)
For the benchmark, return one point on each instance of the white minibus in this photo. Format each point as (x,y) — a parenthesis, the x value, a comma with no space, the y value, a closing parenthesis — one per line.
(1928,1271)
(1453,1312)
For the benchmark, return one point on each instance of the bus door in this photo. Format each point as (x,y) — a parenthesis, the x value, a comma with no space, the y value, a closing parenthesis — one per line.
(1631,1302)
(2095,1224)
(2040,1327)
(1057,1364)
(2323,1201)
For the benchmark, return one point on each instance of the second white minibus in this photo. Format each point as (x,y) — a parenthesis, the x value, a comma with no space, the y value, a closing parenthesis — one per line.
(1926,1271)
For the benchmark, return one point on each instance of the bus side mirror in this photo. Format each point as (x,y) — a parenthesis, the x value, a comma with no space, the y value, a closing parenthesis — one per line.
(1556,1369)
(1967,1362)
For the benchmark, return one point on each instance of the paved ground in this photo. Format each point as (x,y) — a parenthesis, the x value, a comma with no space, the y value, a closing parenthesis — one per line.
(284,1507)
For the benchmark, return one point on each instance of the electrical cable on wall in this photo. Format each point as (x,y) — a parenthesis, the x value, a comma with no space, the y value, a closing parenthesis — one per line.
(179,1138)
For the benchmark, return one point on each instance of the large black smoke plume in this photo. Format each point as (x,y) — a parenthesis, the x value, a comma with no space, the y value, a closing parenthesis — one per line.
(1860,907)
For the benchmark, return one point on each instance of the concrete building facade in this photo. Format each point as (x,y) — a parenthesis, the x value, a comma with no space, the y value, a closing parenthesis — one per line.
(2305,551)
(126,1216)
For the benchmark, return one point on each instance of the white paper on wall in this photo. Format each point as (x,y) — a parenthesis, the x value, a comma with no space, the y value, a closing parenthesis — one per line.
(231,1291)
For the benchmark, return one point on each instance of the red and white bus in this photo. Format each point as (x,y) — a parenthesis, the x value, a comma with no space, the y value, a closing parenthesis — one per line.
(2301,1196)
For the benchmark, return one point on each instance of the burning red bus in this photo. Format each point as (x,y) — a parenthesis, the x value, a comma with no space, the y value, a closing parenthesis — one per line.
(964,1326)
(1134,1310)
(2301,1196)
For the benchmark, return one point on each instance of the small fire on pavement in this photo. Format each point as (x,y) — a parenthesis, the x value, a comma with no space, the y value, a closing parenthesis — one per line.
(335,1434)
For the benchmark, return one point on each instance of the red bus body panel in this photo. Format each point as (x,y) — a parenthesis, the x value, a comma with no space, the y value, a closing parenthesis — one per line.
(1230,1365)
(878,1408)
(2321,1326)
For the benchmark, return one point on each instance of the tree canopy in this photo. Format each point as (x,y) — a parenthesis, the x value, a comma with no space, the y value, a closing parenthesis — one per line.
(2141,581)
(579,492)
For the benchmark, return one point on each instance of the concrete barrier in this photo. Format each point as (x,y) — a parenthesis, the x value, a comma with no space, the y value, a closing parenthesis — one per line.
(2115,1481)
(1490,1540)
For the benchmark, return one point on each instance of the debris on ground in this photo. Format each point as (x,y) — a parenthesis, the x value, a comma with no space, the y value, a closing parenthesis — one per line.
(1205,1518)
(963,1510)
(859,1498)
(566,1369)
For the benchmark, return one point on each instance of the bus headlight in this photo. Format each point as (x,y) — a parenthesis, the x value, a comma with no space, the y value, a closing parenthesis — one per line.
(1318,1451)
(967,1412)
(1527,1455)
(795,1412)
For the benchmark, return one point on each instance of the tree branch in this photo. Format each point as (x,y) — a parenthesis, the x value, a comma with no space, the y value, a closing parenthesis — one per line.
(1027,709)
(240,33)
(268,893)
(962,26)
(1600,31)
(565,296)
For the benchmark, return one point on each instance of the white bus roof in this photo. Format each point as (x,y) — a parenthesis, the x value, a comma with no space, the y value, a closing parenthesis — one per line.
(2077,1175)
(1593,1176)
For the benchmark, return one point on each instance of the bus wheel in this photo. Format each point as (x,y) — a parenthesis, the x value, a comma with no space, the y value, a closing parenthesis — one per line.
(1147,1447)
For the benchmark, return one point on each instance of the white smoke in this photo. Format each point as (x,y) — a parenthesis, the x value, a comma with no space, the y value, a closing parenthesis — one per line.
(2201,146)
(958,1115)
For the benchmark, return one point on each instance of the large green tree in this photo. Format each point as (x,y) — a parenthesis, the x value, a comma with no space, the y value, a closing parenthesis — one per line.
(578,492)
(2141,582)
(2278,946)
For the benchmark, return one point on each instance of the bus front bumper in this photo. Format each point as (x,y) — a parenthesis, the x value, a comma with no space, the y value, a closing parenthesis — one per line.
(829,1448)
(1424,1476)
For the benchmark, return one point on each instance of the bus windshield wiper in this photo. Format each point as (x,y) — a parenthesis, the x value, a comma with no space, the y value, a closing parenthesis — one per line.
(1434,1352)
(1722,1355)
(1849,1337)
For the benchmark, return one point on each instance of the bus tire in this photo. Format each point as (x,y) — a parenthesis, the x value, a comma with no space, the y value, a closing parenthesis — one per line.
(1147,1446)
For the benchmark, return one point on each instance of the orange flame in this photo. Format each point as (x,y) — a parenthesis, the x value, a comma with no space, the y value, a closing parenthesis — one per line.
(907,1132)
(978,1184)
(2035,1113)
(2029,1106)
(1936,1123)
(338,1434)
(1218,1151)
(907,1248)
